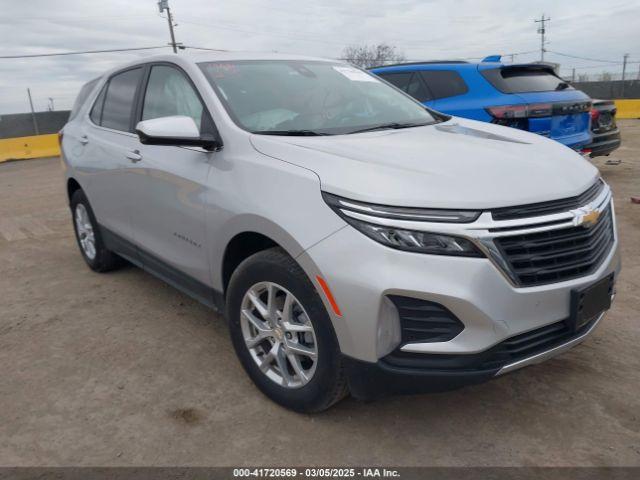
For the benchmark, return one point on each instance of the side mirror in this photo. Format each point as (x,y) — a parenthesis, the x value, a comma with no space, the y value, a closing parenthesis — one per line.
(178,130)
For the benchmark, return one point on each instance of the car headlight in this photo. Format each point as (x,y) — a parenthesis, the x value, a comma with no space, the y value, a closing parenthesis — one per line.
(404,239)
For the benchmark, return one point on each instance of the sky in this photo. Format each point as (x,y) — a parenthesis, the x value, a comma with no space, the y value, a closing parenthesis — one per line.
(421,29)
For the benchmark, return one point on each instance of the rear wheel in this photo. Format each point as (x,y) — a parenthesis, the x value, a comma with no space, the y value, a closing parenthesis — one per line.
(97,256)
(282,333)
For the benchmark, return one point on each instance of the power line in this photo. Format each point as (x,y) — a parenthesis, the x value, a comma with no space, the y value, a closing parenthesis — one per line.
(503,55)
(594,66)
(204,48)
(80,52)
(581,58)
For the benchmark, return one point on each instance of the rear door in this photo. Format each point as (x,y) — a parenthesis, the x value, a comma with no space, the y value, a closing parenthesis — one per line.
(107,139)
(557,110)
(168,205)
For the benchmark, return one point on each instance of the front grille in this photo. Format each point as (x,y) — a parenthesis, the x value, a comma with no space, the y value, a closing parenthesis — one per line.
(547,208)
(557,255)
(424,321)
(508,351)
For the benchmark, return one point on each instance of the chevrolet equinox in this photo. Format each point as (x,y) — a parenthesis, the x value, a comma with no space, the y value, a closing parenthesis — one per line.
(355,240)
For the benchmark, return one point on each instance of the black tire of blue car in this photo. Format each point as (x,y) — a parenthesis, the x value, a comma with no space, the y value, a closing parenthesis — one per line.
(328,384)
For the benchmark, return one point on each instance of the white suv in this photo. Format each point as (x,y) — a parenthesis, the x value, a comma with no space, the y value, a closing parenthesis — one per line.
(355,240)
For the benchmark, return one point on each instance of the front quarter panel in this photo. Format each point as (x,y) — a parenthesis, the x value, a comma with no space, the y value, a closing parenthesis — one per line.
(252,192)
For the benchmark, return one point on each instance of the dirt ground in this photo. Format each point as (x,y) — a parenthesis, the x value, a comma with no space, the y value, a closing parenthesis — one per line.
(121,369)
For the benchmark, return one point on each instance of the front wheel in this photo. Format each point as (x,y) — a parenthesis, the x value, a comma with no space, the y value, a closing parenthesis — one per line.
(283,334)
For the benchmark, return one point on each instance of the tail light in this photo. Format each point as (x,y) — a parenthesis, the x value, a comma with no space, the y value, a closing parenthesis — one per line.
(506,112)
(595,114)
(534,110)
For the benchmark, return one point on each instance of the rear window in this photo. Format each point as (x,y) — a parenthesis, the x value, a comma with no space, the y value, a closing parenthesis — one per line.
(444,83)
(82,97)
(524,79)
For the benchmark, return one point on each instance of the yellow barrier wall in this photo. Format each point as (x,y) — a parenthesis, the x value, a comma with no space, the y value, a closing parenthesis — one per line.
(628,108)
(29,147)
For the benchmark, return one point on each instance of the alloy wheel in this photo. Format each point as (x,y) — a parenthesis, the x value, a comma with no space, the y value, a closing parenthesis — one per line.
(84,228)
(279,334)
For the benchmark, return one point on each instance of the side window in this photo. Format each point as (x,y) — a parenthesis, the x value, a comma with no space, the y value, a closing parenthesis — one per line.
(417,89)
(169,93)
(118,103)
(399,79)
(410,83)
(444,83)
(96,111)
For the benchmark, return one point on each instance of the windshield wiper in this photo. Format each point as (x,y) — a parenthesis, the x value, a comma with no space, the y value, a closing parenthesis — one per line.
(389,126)
(291,133)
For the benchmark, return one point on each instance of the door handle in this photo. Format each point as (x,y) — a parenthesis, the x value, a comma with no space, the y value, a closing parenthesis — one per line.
(134,156)
(84,139)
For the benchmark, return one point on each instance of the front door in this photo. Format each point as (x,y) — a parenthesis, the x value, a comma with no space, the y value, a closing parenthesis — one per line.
(169,186)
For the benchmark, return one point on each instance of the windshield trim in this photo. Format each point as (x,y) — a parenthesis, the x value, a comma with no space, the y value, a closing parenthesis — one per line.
(438,117)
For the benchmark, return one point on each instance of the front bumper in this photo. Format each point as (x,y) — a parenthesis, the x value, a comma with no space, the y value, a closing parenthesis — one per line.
(362,274)
(507,324)
(437,373)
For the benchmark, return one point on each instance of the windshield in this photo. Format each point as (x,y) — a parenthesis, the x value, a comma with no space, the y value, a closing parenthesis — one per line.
(306,97)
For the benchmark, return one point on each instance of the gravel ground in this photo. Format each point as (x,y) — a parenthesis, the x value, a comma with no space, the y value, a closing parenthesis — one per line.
(121,369)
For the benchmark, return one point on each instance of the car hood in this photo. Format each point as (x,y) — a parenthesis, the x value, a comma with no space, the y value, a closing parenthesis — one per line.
(456,164)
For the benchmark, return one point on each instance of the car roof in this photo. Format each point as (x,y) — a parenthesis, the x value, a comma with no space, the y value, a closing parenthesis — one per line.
(486,64)
(426,62)
(217,56)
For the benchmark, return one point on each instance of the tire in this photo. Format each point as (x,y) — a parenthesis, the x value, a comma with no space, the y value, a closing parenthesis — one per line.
(99,259)
(322,382)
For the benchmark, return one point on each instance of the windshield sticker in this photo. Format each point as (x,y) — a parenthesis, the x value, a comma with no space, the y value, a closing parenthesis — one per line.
(222,70)
(355,75)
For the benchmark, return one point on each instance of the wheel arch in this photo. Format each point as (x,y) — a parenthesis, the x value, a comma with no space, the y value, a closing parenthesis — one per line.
(72,187)
(241,247)
(246,235)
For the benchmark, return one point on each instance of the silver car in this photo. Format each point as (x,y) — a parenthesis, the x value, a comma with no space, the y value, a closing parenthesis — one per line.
(355,241)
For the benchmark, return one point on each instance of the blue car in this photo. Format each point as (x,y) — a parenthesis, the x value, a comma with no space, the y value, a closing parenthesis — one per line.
(526,96)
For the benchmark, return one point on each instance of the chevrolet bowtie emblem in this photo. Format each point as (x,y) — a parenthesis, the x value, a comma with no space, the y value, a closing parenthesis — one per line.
(590,219)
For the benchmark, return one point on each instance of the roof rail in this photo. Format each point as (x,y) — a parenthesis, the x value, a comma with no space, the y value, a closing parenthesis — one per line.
(418,63)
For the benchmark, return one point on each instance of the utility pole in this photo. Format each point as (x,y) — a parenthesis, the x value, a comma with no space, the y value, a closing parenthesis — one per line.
(624,65)
(33,113)
(624,71)
(162,6)
(573,75)
(51,104)
(542,30)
